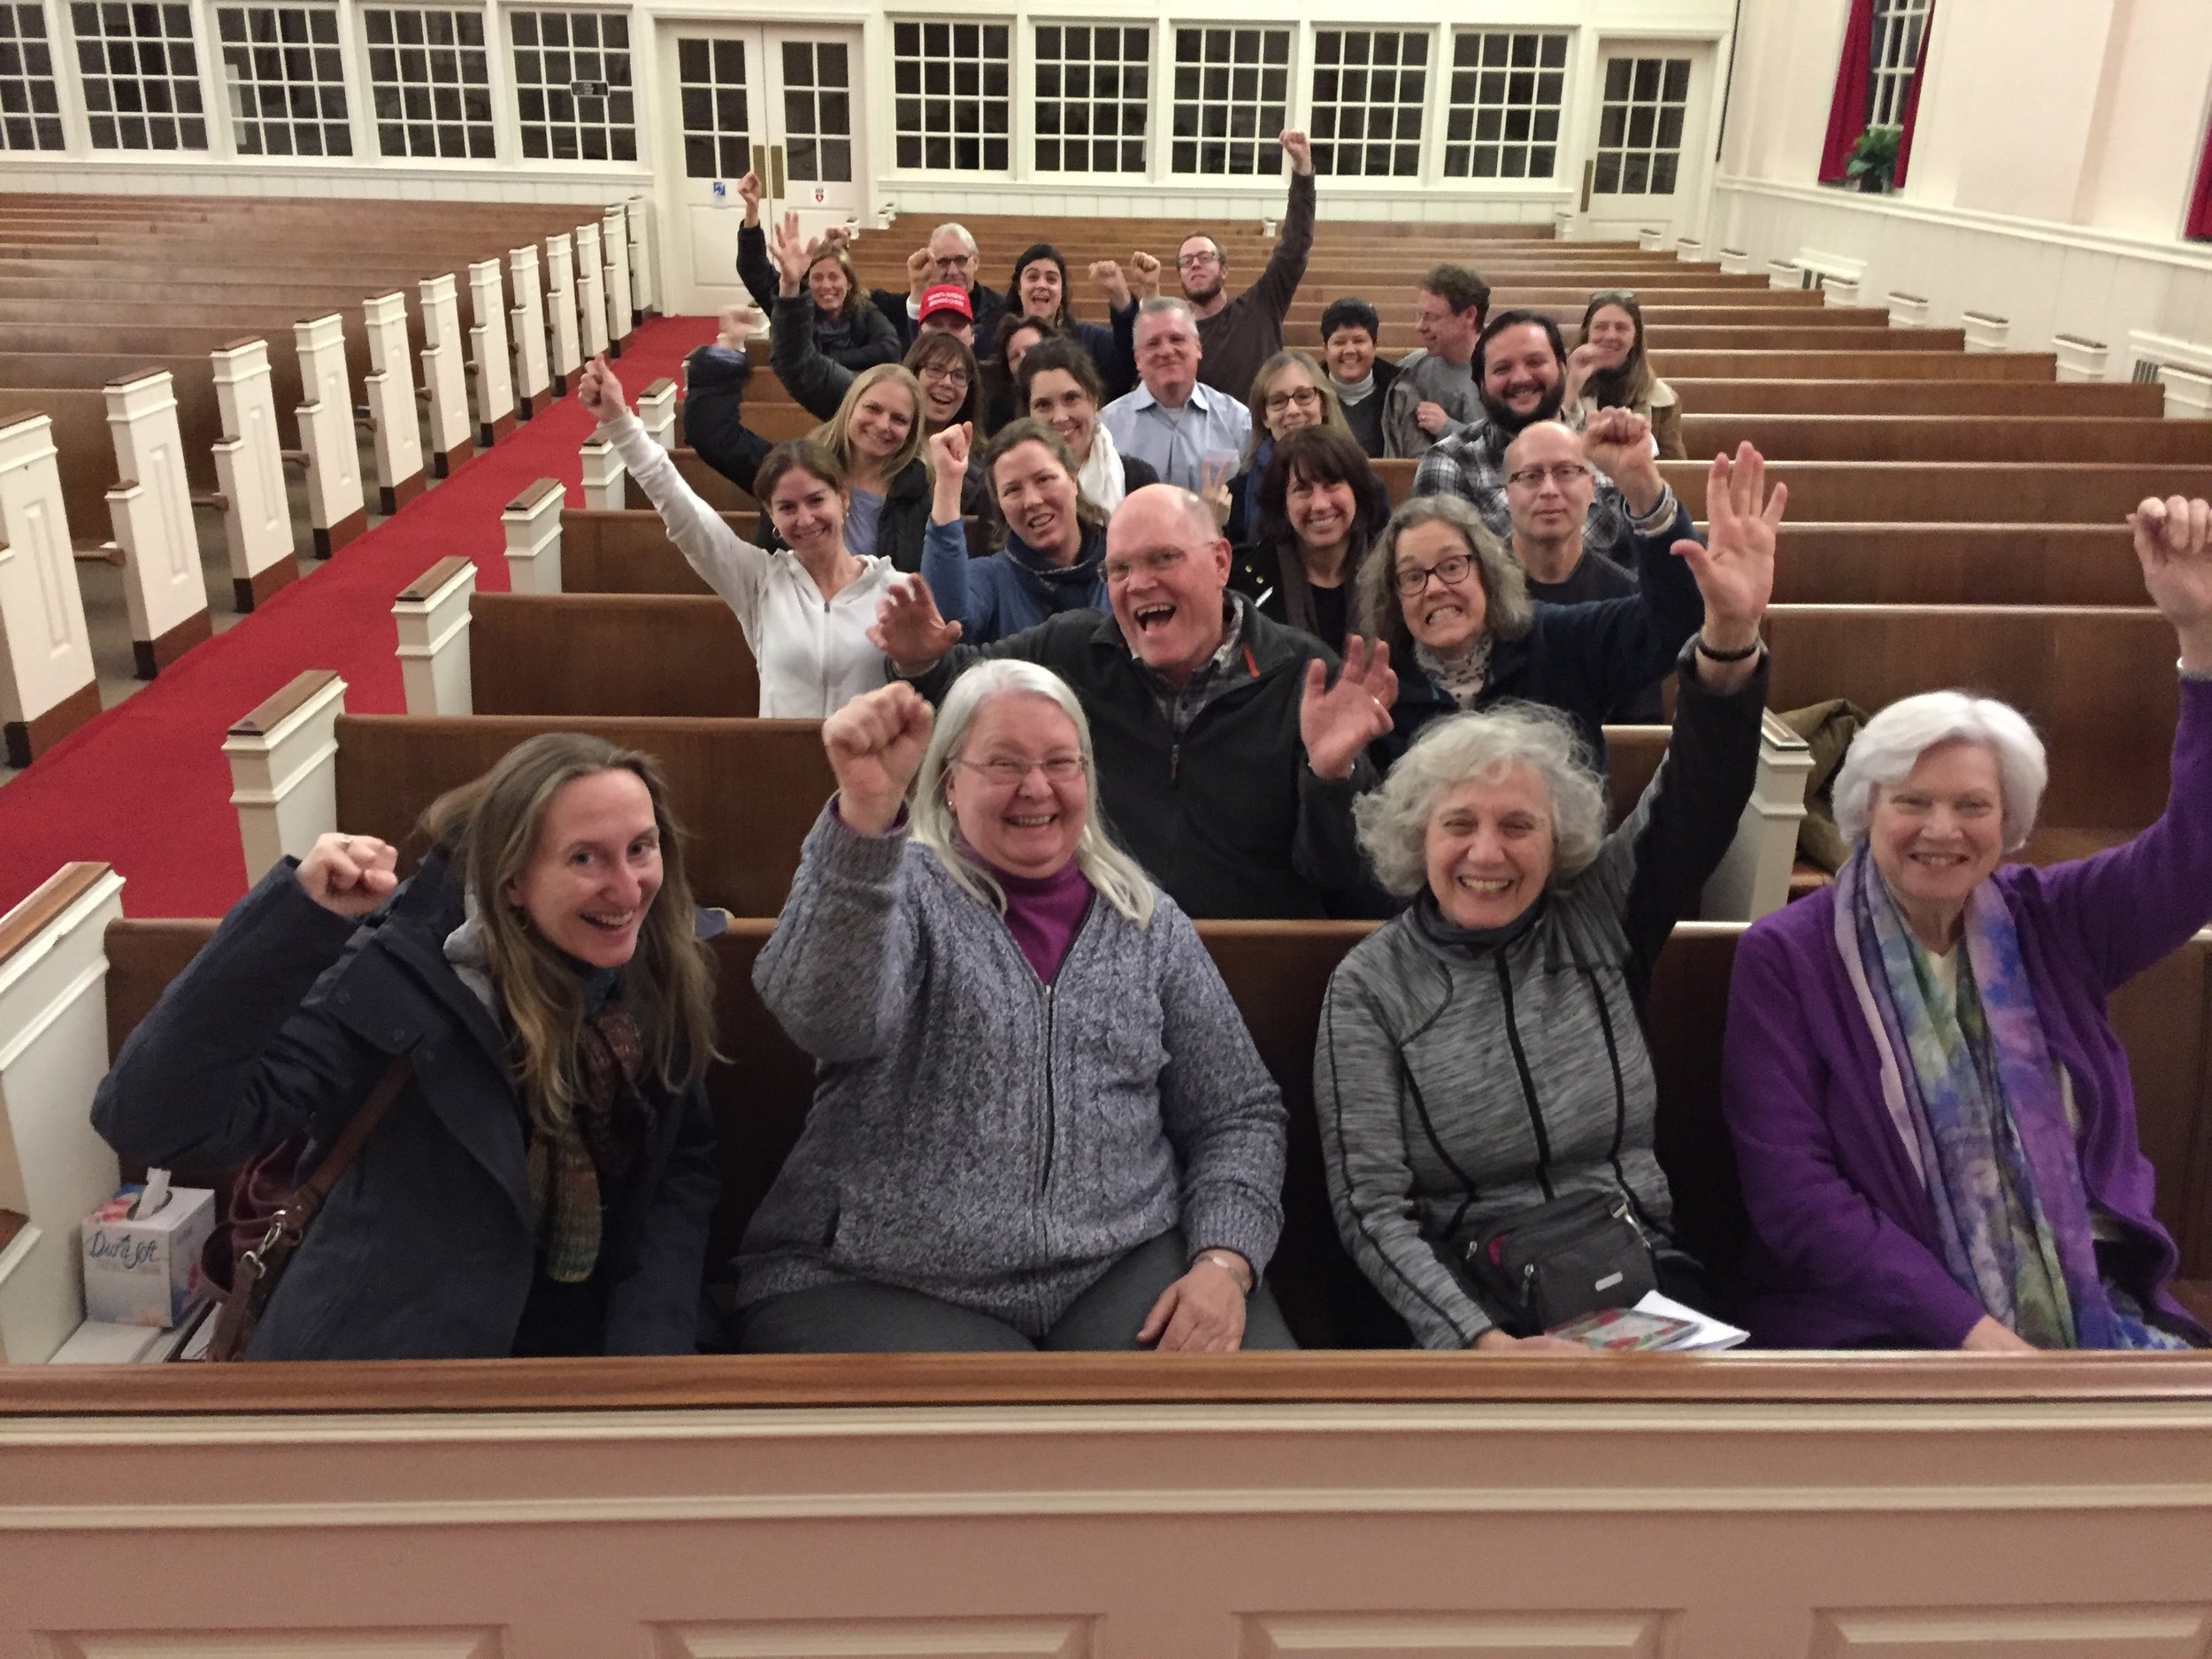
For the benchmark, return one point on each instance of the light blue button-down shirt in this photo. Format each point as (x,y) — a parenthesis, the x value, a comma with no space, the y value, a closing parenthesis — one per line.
(1175,442)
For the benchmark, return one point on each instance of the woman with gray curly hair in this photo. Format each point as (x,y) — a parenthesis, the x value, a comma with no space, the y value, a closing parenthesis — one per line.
(1464,633)
(1480,1056)
(1932,1116)
(1039,1121)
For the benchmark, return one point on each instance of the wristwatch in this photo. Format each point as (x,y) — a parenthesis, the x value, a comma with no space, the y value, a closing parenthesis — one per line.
(1234,1265)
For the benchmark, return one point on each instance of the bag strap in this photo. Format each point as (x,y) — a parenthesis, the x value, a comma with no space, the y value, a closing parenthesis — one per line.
(356,1134)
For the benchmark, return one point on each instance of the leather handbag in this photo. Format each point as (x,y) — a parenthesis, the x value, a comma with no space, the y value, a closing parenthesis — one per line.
(271,1209)
(1564,1258)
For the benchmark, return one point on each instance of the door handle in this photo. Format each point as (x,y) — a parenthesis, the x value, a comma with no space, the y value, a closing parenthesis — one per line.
(775,156)
(1589,178)
(760,167)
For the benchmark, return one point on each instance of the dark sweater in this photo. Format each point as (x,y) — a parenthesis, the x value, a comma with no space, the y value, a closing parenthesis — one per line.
(1249,330)
(1592,581)
(1228,818)
(1365,418)
(856,340)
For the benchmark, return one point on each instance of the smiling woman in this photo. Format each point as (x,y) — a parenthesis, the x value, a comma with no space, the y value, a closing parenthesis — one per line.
(1055,540)
(1087,1150)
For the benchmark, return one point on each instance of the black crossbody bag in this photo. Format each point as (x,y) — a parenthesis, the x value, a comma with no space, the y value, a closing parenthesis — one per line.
(1565,1258)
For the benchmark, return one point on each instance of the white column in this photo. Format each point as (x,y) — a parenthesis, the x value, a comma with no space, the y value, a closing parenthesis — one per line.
(656,411)
(432,617)
(444,375)
(47,688)
(637,214)
(249,466)
(2080,359)
(337,508)
(1984,331)
(487,353)
(151,507)
(604,476)
(591,290)
(615,241)
(527,320)
(54,1170)
(532,523)
(394,417)
(560,299)
(1754,875)
(284,770)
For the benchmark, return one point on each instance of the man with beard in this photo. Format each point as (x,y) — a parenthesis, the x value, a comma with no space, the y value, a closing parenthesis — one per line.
(1521,377)
(1237,335)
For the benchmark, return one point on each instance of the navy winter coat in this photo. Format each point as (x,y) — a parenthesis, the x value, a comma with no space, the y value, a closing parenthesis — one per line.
(283,1025)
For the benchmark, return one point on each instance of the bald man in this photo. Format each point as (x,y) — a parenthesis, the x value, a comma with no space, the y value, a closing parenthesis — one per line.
(1227,760)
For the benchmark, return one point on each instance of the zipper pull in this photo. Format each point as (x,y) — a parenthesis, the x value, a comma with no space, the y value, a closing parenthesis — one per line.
(1174,759)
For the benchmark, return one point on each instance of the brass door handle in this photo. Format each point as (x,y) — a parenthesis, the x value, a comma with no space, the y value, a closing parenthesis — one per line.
(775,156)
(1589,178)
(760,166)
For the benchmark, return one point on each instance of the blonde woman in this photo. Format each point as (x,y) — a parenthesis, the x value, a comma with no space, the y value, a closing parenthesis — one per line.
(543,1182)
(806,601)
(1041,1122)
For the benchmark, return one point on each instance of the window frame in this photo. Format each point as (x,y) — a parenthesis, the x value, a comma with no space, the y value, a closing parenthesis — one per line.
(1269,157)
(1013,23)
(236,115)
(1562,144)
(215,136)
(1428,108)
(498,86)
(511,88)
(1902,24)
(1030,133)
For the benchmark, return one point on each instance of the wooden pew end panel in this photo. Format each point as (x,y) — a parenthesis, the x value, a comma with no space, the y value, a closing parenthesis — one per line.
(28,739)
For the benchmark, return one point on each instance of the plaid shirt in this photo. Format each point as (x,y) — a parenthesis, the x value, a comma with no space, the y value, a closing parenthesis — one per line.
(1472,467)
(1181,704)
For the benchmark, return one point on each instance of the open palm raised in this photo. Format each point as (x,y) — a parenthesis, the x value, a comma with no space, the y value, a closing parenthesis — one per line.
(1734,566)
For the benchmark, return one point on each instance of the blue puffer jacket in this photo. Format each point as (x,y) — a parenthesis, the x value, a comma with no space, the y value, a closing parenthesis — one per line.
(283,1025)
(1015,588)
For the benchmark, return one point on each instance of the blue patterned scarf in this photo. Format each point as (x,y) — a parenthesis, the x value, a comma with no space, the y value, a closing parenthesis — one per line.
(1972,1090)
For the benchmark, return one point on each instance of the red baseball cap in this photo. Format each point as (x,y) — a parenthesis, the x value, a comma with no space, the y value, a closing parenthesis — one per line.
(946,296)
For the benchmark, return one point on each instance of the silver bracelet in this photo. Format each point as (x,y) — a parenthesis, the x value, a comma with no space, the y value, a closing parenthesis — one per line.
(1232,1265)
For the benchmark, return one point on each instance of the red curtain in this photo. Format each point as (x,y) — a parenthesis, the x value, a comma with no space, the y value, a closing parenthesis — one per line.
(1912,97)
(1846,114)
(2200,205)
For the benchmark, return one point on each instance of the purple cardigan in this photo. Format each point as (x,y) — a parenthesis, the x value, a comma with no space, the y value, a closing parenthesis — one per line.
(1844,1252)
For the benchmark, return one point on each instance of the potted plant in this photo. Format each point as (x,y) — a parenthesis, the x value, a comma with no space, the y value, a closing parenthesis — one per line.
(1874,157)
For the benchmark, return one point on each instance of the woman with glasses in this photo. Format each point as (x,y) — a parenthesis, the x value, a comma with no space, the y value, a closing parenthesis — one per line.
(1290,391)
(1608,369)
(1482,1059)
(1039,1121)
(1453,606)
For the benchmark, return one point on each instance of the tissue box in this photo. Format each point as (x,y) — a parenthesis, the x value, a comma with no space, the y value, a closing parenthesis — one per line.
(146,1271)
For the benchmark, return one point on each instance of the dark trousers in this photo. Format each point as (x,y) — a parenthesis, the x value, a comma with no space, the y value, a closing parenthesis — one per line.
(869,1318)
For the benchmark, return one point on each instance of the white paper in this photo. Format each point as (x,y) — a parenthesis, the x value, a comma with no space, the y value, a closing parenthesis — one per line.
(1710,1336)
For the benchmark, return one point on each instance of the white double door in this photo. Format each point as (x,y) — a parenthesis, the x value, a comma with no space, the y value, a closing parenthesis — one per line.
(1647,156)
(780,100)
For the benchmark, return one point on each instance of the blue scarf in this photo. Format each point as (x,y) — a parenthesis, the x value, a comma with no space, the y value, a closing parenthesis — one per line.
(1971,1086)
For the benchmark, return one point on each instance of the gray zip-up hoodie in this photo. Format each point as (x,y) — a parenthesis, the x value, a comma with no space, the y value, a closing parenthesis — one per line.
(982,1136)
(1460,1080)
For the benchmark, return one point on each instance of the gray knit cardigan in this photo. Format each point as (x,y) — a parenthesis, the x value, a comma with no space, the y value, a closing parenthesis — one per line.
(982,1136)
(1459,1084)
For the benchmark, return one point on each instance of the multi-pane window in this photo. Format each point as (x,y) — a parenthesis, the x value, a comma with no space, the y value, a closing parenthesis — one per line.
(1506,91)
(1897,28)
(1093,88)
(710,94)
(30,111)
(817,111)
(1231,99)
(1368,88)
(951,84)
(141,74)
(429,82)
(1640,126)
(287,84)
(572,86)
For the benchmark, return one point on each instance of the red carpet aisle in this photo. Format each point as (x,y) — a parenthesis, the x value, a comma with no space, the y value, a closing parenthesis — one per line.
(144,786)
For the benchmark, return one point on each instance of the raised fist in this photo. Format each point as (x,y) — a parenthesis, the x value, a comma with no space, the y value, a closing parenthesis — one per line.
(598,392)
(350,875)
(875,745)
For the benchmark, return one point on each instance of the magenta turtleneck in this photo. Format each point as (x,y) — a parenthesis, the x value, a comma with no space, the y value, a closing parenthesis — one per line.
(1043,913)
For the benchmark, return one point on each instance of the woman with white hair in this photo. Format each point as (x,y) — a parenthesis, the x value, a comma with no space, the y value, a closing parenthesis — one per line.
(1932,1116)
(1485,1098)
(1039,1122)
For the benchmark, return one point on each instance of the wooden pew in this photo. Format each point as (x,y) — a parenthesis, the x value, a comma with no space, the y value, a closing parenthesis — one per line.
(1947,492)
(1761,396)
(2054,440)
(626,551)
(1956,564)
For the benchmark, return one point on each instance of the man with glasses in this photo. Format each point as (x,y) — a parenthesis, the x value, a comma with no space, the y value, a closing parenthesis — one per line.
(948,258)
(1520,366)
(1434,394)
(1228,761)
(1240,334)
(1187,431)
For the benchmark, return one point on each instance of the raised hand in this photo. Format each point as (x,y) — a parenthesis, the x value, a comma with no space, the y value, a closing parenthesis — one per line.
(919,268)
(836,236)
(875,745)
(908,628)
(748,193)
(1146,269)
(350,875)
(1584,361)
(1734,566)
(1617,442)
(1213,489)
(599,394)
(2173,539)
(793,253)
(948,450)
(1299,148)
(1111,282)
(1338,721)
